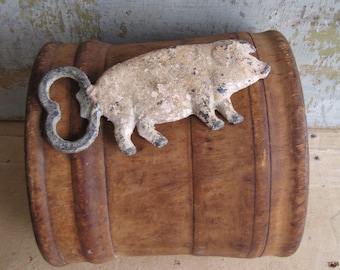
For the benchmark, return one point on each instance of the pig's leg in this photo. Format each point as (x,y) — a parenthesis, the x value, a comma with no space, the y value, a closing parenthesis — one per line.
(123,130)
(227,110)
(206,112)
(147,130)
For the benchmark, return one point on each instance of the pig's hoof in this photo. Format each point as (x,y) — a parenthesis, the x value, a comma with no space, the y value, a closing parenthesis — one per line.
(217,124)
(160,142)
(237,118)
(130,151)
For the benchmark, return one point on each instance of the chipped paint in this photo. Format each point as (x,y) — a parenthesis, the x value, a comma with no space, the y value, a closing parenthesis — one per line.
(319,72)
(123,30)
(14,79)
(326,46)
(11,83)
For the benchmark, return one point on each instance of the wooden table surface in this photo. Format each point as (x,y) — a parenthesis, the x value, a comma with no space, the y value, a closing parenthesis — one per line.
(319,248)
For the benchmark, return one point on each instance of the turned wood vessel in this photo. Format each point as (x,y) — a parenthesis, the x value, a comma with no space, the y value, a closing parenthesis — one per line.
(237,192)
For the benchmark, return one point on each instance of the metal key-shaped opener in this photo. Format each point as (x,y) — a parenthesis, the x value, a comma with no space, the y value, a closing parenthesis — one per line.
(88,110)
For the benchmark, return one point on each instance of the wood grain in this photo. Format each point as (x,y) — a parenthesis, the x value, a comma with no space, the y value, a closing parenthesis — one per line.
(238,192)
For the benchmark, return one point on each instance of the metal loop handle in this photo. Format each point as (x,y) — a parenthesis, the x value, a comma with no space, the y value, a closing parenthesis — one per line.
(88,110)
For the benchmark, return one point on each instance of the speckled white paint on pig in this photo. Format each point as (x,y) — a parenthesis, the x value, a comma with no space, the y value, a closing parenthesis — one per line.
(170,84)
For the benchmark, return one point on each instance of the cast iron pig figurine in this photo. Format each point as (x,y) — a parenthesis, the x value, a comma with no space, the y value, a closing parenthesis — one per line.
(158,87)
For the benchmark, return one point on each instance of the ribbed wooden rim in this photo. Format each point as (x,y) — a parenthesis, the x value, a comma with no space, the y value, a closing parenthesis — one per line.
(289,167)
(262,152)
(86,203)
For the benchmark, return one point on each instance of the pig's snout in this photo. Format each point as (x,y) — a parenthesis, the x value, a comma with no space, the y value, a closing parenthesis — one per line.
(265,71)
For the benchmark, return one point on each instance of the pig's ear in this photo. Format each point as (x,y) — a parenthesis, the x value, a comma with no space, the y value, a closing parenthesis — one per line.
(223,50)
(246,46)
